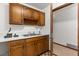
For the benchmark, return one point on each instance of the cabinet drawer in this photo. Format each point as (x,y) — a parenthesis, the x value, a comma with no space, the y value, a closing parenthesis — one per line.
(14,43)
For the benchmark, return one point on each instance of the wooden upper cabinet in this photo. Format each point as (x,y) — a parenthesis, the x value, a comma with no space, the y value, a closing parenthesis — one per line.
(20,14)
(41,21)
(16,13)
(27,13)
(36,15)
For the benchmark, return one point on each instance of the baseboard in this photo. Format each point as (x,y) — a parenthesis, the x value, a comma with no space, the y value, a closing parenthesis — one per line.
(43,52)
(55,54)
(65,46)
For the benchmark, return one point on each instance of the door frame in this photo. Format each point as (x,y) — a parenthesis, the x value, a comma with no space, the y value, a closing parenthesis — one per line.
(78,26)
(51,30)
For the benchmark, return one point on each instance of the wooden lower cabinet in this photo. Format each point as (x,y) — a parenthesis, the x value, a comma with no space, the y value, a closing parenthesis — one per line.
(16,48)
(16,51)
(36,46)
(43,44)
(40,46)
(30,47)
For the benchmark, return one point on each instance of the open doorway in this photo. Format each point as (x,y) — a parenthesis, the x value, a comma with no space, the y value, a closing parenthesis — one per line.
(65,32)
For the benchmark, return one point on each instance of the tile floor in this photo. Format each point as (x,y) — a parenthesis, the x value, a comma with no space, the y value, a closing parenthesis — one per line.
(61,51)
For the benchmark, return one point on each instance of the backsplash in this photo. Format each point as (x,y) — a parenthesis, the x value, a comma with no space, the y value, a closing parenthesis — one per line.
(24,29)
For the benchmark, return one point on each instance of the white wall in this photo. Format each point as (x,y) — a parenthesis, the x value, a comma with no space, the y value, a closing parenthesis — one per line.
(46,28)
(4,17)
(55,5)
(4,25)
(65,25)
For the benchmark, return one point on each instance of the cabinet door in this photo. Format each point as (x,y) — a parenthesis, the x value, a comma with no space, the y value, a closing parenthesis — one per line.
(29,49)
(16,13)
(40,46)
(41,21)
(27,12)
(45,43)
(36,15)
(16,51)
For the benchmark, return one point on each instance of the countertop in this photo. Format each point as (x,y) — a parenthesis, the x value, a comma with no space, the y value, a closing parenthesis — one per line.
(2,39)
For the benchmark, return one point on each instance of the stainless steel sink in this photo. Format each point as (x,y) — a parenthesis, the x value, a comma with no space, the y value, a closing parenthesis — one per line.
(30,34)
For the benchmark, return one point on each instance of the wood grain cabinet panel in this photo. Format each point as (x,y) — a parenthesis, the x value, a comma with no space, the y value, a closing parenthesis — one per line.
(30,50)
(36,15)
(41,21)
(45,43)
(16,47)
(37,46)
(15,13)
(15,43)
(27,13)
(40,46)
(29,47)
(16,51)
(20,14)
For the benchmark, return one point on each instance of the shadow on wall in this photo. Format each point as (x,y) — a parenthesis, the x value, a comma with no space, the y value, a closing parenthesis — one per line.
(3,49)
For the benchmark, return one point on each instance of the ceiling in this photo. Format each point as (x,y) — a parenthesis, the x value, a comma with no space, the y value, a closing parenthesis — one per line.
(39,5)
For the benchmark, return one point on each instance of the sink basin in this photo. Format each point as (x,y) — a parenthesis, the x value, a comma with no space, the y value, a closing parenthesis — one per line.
(30,34)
